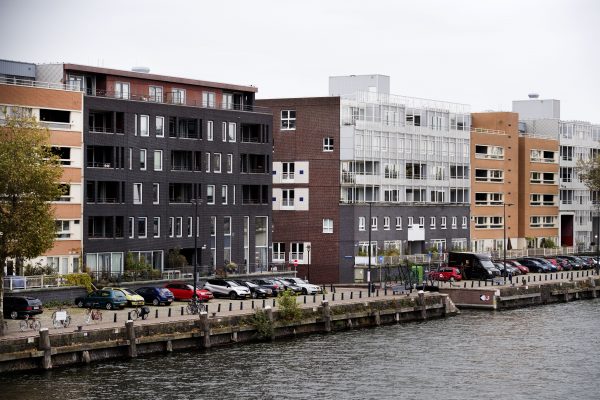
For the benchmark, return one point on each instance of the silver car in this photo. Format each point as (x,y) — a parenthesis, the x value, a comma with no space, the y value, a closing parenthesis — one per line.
(227,288)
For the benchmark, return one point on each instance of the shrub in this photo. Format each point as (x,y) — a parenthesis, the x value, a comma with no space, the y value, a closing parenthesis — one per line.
(289,309)
(263,324)
(80,280)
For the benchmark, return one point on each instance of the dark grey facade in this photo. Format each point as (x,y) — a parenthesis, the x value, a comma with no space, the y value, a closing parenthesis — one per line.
(117,212)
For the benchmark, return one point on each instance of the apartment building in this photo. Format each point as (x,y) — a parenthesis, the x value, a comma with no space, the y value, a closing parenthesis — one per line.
(166,159)
(375,166)
(60,111)
(495,177)
(577,140)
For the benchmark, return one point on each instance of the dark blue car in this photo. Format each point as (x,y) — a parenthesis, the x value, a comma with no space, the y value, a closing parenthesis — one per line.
(155,296)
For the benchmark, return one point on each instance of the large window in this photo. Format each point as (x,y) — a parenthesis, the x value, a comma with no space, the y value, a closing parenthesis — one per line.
(278,251)
(489,199)
(546,221)
(288,119)
(489,175)
(488,222)
(208,99)
(178,96)
(156,94)
(122,90)
(490,152)
(288,198)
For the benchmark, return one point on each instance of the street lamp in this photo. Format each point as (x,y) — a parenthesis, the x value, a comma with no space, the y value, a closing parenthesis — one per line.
(195,202)
(308,264)
(504,272)
(369,253)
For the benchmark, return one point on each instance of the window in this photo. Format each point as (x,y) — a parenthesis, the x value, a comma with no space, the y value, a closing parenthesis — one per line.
(190,226)
(207,162)
(137,193)
(458,172)
(546,221)
(489,175)
(142,159)
(288,120)
(288,198)
(490,152)
(217,163)
(171,226)
(156,94)
(227,102)
(442,222)
(454,222)
(179,226)
(223,194)
(208,99)
(155,193)
(121,90)
(144,125)
(131,228)
(130,158)
(327,225)
(488,222)
(410,222)
(432,222)
(278,251)
(156,227)
(545,156)
(548,178)
(224,131)
(229,163)
(287,171)
(373,223)
(231,134)
(422,221)
(398,223)
(178,96)
(210,130)
(386,223)
(464,222)
(489,199)
(542,199)
(210,194)
(328,144)
(566,153)
(361,223)
(141,227)
(62,229)
(158,160)
(160,126)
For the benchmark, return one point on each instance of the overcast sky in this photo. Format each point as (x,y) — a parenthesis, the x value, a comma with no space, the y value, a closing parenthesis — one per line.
(485,53)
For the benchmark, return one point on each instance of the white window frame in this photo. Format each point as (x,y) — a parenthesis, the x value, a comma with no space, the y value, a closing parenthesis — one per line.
(361,223)
(454,223)
(327,225)
(190,226)
(224,194)
(144,235)
(156,233)
(159,158)
(171,226)
(398,223)
(432,223)
(443,222)
(288,123)
(374,223)
(131,227)
(232,132)
(217,163)
(230,163)
(208,158)
(131,158)
(328,144)
(178,227)
(144,125)
(143,159)
(386,223)
(157,96)
(156,200)
(210,130)
(209,99)
(464,222)
(122,90)
(159,132)
(138,189)
(178,96)
(210,194)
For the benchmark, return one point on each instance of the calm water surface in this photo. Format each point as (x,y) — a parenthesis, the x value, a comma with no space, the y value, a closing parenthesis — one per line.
(550,352)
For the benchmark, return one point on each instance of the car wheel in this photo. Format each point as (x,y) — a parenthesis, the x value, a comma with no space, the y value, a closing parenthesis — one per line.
(14,314)
(232,295)
(109,306)
(155,302)
(80,304)
(304,291)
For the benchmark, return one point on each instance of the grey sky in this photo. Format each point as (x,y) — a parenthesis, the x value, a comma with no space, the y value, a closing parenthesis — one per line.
(483,53)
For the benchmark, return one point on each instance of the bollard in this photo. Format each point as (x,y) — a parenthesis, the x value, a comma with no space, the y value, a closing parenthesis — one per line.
(115,317)
(534,278)
(263,303)
(465,285)
(377,293)
(485,282)
(324,296)
(342,295)
(273,302)
(219,308)
(156,313)
(385,291)
(351,295)
(241,305)
(169,346)
(472,283)
(333,297)
(360,294)
(326,315)
(561,276)
(130,338)
(169,312)
(205,326)
(230,306)
(304,299)
(269,312)
(314,298)
(44,344)
(253,304)
(182,310)
(546,276)
(422,304)
(528,279)
(129,315)
(331,288)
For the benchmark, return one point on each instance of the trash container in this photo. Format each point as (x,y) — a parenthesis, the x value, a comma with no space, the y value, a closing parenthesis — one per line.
(417,273)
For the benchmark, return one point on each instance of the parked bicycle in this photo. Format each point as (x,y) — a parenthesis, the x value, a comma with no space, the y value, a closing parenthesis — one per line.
(140,312)
(92,314)
(196,306)
(30,323)
(61,318)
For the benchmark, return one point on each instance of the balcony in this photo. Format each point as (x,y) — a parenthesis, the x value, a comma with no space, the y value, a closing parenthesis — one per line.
(254,163)
(106,122)
(104,192)
(254,133)
(100,157)
(180,193)
(182,160)
(255,194)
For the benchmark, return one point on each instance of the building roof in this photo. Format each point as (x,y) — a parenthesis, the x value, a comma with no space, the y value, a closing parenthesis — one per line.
(155,77)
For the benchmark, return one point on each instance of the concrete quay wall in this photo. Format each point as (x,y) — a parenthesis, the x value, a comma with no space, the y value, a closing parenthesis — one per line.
(133,339)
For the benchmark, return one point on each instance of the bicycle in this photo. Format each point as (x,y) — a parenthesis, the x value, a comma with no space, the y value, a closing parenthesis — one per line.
(92,315)
(30,323)
(140,312)
(196,306)
(61,318)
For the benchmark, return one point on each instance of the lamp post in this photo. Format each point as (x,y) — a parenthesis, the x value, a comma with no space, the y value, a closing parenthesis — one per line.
(369,253)
(504,272)
(195,202)
(308,263)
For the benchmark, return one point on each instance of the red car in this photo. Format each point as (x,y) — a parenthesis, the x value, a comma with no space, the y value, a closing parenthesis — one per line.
(515,263)
(446,274)
(184,291)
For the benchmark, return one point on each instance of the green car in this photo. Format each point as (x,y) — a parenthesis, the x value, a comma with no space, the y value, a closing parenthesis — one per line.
(105,298)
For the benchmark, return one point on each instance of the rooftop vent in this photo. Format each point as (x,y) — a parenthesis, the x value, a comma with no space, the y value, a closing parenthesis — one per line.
(533,95)
(143,70)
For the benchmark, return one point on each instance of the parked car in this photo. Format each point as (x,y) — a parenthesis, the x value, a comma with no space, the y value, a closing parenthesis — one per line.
(133,299)
(533,265)
(274,286)
(307,288)
(524,270)
(554,262)
(288,285)
(185,291)
(506,269)
(257,291)
(446,274)
(104,298)
(574,262)
(156,296)
(549,266)
(473,265)
(21,306)
(227,288)
(566,264)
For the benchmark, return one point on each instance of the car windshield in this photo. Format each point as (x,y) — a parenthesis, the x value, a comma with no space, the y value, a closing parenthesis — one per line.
(165,292)
(250,284)
(232,283)
(128,292)
(298,280)
(486,264)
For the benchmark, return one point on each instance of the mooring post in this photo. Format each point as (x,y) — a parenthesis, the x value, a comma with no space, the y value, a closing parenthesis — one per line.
(269,312)
(130,337)
(44,345)
(326,315)
(422,304)
(205,326)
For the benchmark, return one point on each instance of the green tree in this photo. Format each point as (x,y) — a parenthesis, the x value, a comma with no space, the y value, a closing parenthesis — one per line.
(29,173)
(589,172)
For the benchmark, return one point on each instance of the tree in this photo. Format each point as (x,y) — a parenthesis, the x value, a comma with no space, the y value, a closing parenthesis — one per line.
(589,172)
(29,175)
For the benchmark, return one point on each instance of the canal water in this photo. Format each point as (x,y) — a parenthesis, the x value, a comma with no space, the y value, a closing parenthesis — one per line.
(549,352)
